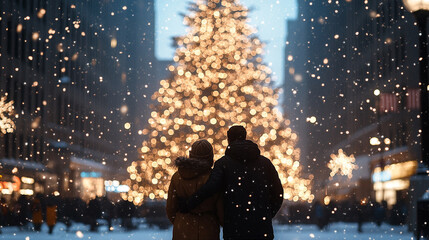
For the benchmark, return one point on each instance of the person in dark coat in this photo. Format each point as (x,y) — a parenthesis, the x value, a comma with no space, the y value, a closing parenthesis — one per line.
(127,210)
(252,189)
(204,221)
(51,214)
(360,211)
(4,213)
(66,208)
(23,211)
(94,213)
(36,209)
(379,214)
(107,211)
(320,215)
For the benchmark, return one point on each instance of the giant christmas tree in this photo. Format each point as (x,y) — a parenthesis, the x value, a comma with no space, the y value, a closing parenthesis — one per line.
(218,80)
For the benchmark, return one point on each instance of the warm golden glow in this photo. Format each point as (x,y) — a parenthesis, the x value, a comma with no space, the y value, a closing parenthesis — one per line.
(327,200)
(219,79)
(27,180)
(399,170)
(342,164)
(113,43)
(374,141)
(416,5)
(7,125)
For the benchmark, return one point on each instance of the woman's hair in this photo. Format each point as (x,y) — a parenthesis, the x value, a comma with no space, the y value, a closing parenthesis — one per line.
(202,149)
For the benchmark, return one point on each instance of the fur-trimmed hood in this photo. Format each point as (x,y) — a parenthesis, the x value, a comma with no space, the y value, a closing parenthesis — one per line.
(192,167)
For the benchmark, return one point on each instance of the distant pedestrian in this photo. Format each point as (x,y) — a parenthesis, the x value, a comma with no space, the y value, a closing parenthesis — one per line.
(36,210)
(67,209)
(51,215)
(4,213)
(107,211)
(360,210)
(94,213)
(320,215)
(1,218)
(22,211)
(379,213)
(127,210)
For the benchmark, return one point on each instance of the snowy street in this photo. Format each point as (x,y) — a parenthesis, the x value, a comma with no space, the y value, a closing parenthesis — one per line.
(336,231)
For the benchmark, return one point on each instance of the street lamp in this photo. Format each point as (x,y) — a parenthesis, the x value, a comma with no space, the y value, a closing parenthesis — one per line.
(420,10)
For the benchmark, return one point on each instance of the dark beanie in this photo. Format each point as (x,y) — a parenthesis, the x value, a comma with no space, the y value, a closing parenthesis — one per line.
(236,132)
(202,149)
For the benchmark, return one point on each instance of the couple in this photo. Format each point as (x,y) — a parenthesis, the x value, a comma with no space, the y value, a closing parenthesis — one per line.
(242,192)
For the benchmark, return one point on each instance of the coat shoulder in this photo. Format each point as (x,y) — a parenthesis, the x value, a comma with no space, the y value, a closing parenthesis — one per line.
(176,177)
(264,159)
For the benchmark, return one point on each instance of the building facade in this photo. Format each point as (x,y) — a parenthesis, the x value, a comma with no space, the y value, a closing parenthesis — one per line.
(353,68)
(69,68)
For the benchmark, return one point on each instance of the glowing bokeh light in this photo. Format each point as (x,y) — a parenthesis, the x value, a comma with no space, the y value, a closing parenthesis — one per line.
(218,79)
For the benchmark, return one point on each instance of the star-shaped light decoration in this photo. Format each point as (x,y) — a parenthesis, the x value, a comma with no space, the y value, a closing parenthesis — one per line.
(342,164)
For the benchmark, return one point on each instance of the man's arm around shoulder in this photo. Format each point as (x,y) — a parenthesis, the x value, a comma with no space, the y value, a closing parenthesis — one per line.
(213,185)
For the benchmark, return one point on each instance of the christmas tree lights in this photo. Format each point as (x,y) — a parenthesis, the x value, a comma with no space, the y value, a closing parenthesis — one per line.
(218,79)
(7,125)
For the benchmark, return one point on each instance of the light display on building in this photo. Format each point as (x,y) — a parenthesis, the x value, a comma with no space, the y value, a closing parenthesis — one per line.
(7,125)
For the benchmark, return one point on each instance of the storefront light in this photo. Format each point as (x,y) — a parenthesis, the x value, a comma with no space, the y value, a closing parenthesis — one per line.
(327,200)
(387,141)
(374,141)
(90,175)
(113,186)
(27,180)
(27,192)
(397,185)
(381,176)
(6,191)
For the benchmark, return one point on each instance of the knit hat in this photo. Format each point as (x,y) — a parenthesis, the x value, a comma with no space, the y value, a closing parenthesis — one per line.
(202,149)
(236,132)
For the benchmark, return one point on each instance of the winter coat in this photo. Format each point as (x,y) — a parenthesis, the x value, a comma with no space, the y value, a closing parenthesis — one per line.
(203,221)
(94,208)
(51,215)
(127,209)
(36,209)
(252,191)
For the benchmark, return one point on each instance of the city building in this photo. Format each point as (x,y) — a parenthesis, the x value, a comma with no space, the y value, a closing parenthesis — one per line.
(69,67)
(353,68)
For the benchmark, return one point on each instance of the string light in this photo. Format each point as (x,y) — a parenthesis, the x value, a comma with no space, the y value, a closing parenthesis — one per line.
(7,125)
(218,80)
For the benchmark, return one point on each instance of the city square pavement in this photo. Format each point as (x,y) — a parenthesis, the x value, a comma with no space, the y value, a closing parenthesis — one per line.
(335,231)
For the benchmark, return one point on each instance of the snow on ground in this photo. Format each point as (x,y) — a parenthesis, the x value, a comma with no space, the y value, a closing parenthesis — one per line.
(337,231)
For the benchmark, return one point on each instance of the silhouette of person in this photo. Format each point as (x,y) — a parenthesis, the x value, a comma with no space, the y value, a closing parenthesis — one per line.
(252,191)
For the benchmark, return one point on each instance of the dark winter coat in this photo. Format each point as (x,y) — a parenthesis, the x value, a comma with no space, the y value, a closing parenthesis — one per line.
(36,209)
(203,221)
(51,215)
(94,208)
(252,191)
